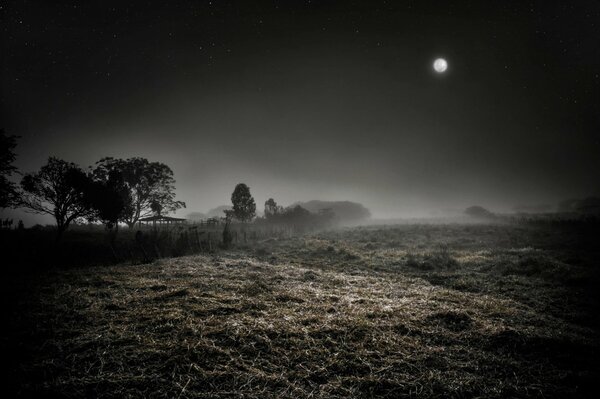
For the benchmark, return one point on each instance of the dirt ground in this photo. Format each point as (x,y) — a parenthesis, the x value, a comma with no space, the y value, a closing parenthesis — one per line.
(390,311)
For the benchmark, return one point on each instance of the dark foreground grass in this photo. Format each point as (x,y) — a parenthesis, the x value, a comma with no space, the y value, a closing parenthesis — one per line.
(412,311)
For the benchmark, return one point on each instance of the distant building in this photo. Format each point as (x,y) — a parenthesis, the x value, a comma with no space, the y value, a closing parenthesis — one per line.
(161,221)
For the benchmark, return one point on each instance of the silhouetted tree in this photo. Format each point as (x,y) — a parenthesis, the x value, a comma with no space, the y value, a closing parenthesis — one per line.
(272,209)
(300,218)
(8,189)
(147,182)
(297,212)
(58,189)
(244,207)
(346,212)
(297,217)
(108,199)
(156,207)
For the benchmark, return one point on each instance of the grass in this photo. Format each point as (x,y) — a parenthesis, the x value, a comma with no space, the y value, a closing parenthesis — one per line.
(411,311)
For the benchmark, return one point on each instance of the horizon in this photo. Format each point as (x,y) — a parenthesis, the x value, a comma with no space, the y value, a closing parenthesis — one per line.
(382,198)
(324,100)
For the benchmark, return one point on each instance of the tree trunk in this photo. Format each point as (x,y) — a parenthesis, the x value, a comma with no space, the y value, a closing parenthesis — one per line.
(112,238)
(60,229)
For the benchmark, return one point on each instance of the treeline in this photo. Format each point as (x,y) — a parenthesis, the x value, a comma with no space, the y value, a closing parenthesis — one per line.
(123,191)
(297,216)
(113,191)
(276,217)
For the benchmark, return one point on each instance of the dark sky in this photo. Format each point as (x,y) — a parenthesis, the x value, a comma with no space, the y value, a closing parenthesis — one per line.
(316,99)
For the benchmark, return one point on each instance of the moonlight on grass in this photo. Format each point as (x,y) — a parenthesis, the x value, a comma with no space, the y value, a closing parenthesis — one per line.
(440,65)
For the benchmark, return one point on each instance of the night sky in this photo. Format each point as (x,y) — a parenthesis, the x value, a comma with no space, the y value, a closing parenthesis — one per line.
(315,99)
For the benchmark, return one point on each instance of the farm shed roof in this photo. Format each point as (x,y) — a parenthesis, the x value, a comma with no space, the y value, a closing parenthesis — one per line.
(161,219)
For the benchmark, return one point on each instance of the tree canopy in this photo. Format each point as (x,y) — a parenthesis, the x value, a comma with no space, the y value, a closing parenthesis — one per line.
(58,189)
(272,209)
(147,182)
(244,207)
(108,199)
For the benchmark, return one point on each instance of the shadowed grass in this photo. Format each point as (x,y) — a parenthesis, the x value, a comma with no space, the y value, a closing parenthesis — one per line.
(321,317)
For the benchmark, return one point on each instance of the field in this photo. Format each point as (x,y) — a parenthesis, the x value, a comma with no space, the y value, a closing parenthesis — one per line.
(391,311)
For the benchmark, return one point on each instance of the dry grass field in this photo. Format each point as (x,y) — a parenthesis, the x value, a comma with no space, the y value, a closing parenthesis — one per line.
(402,311)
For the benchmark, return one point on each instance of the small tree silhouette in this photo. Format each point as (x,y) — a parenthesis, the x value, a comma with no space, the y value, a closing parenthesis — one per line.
(244,207)
(272,209)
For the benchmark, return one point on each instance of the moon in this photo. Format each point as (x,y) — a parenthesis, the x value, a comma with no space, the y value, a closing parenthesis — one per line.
(440,65)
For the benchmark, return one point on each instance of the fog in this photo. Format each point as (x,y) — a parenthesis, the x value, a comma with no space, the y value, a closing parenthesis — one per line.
(343,109)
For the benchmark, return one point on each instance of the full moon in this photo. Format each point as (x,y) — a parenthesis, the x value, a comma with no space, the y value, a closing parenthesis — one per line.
(440,65)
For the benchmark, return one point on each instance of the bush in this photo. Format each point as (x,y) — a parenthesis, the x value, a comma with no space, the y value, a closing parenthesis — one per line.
(479,212)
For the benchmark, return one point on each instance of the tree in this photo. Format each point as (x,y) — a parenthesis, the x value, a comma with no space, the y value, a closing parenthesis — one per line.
(8,189)
(244,207)
(58,189)
(108,199)
(272,209)
(156,207)
(346,212)
(147,183)
(297,213)
(299,218)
